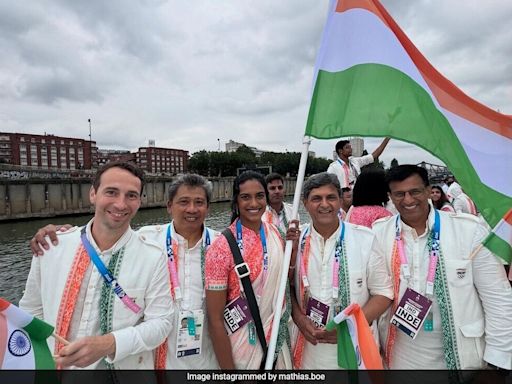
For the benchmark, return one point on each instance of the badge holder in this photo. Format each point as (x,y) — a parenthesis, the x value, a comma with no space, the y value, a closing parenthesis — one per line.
(411,313)
(189,333)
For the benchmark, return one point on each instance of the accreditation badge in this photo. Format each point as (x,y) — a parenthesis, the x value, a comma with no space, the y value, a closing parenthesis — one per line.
(190,333)
(236,314)
(317,311)
(411,312)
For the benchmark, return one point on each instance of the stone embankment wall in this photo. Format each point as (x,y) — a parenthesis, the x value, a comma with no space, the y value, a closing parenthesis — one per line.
(25,195)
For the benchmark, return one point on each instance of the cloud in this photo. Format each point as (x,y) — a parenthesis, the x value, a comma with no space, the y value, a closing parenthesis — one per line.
(189,73)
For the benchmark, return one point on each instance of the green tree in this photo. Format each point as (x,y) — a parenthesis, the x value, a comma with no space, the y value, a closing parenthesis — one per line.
(199,163)
(394,163)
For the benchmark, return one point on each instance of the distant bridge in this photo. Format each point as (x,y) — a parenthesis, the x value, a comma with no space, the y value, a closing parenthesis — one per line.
(436,173)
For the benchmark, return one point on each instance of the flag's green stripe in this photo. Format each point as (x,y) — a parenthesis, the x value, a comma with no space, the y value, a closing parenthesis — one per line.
(499,247)
(346,353)
(39,331)
(377,100)
(42,355)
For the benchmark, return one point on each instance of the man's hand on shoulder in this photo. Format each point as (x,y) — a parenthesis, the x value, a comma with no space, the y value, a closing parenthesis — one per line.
(38,243)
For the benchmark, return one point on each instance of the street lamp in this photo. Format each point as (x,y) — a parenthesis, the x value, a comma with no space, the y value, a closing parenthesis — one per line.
(90,142)
(218,140)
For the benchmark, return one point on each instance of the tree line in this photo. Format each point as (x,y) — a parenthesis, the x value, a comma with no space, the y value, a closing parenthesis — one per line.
(219,164)
(210,163)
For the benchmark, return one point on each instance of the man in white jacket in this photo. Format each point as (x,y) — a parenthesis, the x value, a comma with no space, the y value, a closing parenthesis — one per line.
(185,240)
(453,303)
(103,286)
(327,249)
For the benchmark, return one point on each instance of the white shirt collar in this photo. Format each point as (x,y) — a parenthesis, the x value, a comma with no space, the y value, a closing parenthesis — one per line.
(121,242)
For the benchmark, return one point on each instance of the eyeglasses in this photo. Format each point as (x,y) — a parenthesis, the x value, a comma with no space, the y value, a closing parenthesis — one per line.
(399,195)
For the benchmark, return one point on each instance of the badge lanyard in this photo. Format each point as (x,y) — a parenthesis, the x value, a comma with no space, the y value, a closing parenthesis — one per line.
(338,253)
(263,240)
(172,254)
(434,253)
(107,275)
(346,170)
(239,241)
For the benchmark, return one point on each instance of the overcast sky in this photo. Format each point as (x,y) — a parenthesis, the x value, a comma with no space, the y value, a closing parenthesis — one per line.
(191,74)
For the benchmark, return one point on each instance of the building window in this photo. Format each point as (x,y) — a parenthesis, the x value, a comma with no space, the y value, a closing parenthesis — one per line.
(33,155)
(53,156)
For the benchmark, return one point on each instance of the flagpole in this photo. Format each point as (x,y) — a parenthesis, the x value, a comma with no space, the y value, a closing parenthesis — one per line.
(60,339)
(287,256)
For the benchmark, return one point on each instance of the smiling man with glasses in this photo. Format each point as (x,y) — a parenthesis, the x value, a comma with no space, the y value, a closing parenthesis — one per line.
(453,303)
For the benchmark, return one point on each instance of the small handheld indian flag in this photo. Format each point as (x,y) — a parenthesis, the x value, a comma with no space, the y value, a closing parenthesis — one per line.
(23,339)
(356,346)
(499,240)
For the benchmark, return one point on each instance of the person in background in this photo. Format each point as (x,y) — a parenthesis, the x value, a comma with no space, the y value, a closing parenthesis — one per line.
(369,198)
(262,250)
(105,287)
(278,211)
(460,201)
(439,199)
(347,167)
(346,202)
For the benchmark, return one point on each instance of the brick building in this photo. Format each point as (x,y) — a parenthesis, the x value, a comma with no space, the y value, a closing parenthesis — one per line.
(162,160)
(108,155)
(47,151)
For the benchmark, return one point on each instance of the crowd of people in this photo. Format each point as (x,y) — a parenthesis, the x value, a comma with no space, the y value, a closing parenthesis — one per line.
(180,295)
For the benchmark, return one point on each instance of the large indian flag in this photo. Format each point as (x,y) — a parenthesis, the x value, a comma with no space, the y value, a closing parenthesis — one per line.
(23,339)
(372,81)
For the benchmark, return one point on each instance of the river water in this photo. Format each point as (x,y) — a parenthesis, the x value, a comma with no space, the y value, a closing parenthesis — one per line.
(15,255)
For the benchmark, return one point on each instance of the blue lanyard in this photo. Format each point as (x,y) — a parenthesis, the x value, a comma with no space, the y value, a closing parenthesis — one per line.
(170,252)
(263,239)
(338,252)
(339,247)
(106,274)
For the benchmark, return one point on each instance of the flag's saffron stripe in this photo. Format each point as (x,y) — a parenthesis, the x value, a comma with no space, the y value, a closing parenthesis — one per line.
(3,304)
(447,94)
(508,217)
(377,100)
(368,349)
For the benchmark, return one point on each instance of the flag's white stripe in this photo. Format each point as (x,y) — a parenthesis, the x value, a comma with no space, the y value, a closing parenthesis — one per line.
(17,362)
(504,231)
(352,329)
(358,36)
(489,153)
(17,316)
(340,317)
